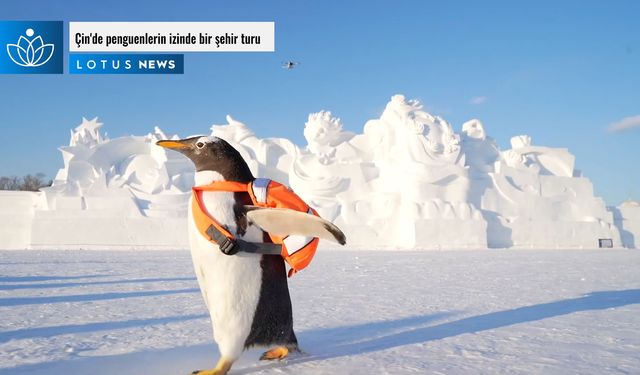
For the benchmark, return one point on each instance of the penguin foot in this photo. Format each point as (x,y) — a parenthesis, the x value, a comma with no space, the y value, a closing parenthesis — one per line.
(222,367)
(279,353)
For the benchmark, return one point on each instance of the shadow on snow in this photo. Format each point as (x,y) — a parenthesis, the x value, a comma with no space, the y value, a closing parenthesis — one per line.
(339,341)
(44,332)
(359,345)
(29,279)
(18,301)
(75,284)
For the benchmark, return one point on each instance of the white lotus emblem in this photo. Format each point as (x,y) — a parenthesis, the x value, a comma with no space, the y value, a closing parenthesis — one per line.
(30,52)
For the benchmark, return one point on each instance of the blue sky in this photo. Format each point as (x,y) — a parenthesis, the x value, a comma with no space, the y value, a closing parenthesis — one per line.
(561,72)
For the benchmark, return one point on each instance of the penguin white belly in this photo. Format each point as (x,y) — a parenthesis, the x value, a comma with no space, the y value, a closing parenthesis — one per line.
(230,285)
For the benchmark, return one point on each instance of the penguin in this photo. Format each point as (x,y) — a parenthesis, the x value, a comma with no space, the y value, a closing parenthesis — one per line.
(247,294)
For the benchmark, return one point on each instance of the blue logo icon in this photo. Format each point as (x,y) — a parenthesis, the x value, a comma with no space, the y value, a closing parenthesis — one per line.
(32,52)
(31,47)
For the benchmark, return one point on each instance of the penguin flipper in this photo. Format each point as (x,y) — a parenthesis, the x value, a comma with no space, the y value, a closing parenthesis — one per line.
(284,222)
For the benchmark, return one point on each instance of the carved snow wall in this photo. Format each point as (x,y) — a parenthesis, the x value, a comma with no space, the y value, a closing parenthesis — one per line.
(407,181)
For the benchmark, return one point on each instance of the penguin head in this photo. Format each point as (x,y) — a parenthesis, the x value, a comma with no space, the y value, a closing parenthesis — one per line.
(212,154)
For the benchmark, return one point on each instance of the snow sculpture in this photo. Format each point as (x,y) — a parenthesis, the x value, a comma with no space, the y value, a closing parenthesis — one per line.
(405,132)
(534,191)
(474,129)
(102,179)
(542,160)
(481,152)
(324,134)
(131,168)
(270,157)
(627,219)
(481,155)
(401,183)
(87,133)
(329,170)
(408,180)
(421,189)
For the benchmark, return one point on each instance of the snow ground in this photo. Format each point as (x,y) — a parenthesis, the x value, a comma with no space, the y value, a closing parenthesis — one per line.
(355,312)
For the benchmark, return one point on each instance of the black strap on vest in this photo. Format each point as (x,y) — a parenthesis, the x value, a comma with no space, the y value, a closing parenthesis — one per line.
(232,246)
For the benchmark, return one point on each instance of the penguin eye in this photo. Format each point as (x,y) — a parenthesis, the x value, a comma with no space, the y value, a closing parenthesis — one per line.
(200,144)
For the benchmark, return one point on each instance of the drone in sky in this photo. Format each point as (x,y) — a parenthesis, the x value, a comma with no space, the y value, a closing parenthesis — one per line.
(288,65)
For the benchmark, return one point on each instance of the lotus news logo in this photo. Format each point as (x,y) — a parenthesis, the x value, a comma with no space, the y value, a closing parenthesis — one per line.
(32,47)
(30,52)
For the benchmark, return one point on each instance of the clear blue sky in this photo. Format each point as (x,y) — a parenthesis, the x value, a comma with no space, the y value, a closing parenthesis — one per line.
(560,71)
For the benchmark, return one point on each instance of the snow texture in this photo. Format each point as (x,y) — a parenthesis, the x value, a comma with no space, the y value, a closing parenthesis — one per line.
(355,312)
(407,181)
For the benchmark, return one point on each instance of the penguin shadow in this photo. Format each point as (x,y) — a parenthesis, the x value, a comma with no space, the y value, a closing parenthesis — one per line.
(52,331)
(34,285)
(317,344)
(30,279)
(21,301)
(373,337)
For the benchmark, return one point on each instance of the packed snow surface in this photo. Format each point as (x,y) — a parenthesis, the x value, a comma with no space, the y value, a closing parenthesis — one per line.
(355,312)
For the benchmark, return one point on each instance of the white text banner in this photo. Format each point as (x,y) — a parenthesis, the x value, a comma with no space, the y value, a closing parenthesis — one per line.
(171,36)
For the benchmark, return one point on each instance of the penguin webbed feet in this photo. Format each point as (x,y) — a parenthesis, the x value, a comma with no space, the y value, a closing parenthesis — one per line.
(222,367)
(209,372)
(279,353)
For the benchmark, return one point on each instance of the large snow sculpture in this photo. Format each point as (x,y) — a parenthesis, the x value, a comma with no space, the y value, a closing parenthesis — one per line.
(541,160)
(481,152)
(408,180)
(270,157)
(326,139)
(128,179)
(420,192)
(534,191)
(330,169)
(131,168)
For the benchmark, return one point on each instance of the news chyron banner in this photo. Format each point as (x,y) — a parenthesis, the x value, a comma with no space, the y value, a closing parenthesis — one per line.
(36,47)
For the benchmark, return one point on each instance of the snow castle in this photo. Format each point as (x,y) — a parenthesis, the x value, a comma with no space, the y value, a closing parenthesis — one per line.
(407,181)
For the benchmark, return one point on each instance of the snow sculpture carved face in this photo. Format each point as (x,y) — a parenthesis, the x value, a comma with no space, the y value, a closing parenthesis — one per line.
(474,129)
(322,132)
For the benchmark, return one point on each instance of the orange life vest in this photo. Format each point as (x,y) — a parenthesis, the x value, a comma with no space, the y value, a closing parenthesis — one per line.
(296,250)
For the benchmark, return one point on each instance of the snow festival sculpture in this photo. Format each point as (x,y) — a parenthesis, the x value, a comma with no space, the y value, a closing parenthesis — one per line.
(481,152)
(266,157)
(118,190)
(407,181)
(384,192)
(536,190)
(419,193)
(329,168)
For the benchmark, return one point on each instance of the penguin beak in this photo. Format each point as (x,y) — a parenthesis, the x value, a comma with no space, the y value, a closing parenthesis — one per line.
(175,145)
